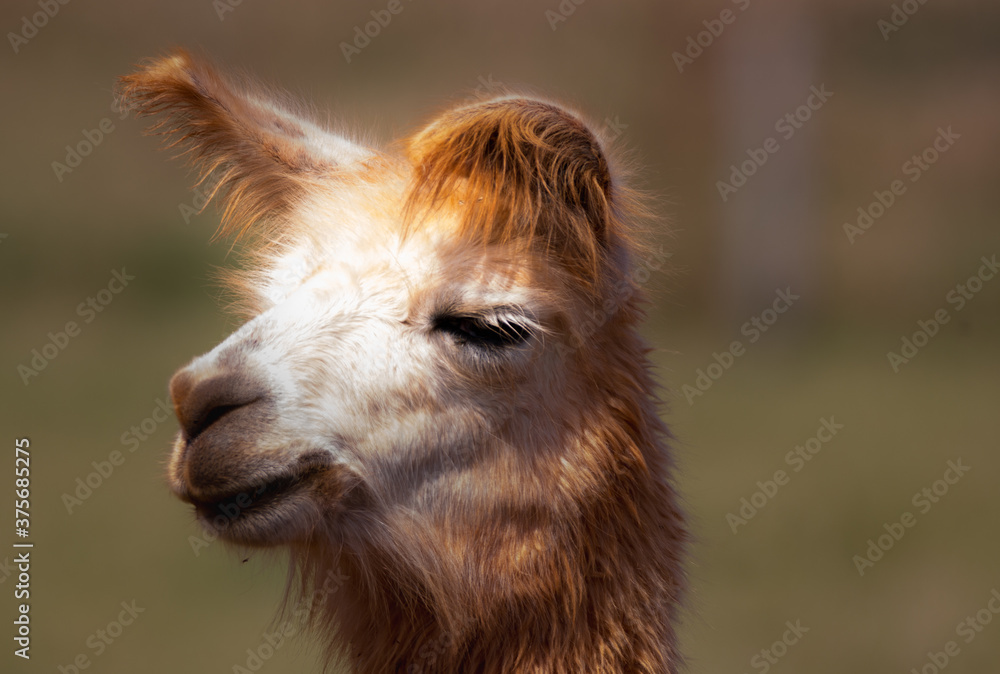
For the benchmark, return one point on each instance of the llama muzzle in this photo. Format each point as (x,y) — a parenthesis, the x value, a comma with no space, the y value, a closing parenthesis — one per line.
(202,397)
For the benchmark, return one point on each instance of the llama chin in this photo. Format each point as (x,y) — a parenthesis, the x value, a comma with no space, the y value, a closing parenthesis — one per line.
(439,392)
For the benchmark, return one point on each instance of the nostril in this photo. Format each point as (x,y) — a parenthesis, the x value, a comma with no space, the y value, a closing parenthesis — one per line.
(208,418)
(202,398)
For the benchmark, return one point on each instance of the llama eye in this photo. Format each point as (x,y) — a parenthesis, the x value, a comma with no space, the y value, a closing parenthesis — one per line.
(478,331)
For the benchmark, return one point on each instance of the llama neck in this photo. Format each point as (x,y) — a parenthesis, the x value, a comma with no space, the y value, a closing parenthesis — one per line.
(612,610)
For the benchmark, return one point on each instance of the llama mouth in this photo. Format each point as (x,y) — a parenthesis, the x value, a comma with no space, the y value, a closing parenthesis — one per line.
(224,510)
(262,511)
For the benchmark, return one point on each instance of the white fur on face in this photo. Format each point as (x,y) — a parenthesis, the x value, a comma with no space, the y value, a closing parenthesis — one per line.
(354,365)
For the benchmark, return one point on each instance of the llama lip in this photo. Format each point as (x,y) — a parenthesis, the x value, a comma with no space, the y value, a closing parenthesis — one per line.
(267,495)
(222,512)
(269,514)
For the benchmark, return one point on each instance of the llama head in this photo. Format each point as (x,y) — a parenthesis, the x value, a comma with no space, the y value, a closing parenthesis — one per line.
(439,379)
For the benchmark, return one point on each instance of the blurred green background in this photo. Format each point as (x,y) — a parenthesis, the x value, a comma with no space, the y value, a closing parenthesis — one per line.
(686,119)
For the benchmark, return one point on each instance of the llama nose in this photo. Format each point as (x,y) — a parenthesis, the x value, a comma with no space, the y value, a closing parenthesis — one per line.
(202,396)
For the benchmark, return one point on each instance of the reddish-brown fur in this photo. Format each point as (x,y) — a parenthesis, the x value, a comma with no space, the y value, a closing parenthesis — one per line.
(580,571)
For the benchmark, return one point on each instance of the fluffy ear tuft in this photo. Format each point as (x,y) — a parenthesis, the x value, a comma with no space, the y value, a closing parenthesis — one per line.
(256,152)
(520,170)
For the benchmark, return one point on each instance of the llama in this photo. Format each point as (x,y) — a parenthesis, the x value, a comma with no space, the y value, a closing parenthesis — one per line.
(439,391)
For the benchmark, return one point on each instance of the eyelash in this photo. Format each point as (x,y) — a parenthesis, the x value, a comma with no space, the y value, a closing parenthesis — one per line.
(479,332)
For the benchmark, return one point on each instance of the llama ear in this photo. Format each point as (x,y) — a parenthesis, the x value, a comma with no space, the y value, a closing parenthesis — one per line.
(526,170)
(260,154)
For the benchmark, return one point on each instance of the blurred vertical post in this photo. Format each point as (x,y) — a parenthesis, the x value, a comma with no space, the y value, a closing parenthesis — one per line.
(770,232)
